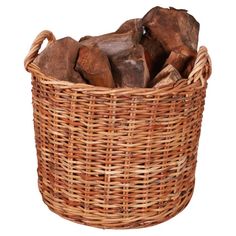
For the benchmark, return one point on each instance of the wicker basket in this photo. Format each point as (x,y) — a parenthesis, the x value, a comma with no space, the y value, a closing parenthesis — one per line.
(117,158)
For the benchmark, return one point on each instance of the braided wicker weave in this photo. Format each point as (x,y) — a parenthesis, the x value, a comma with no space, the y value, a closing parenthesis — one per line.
(117,158)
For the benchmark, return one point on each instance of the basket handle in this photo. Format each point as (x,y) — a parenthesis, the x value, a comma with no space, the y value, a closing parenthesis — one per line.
(36,45)
(202,67)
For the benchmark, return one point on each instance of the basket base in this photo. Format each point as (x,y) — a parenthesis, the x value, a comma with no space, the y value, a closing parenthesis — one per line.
(145,219)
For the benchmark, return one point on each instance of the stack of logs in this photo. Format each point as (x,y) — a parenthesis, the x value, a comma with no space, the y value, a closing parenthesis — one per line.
(154,51)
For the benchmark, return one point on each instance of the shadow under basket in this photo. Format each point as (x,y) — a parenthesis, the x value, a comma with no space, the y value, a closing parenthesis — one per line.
(117,158)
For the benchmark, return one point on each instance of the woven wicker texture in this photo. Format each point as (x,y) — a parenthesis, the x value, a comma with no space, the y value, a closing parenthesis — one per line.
(117,158)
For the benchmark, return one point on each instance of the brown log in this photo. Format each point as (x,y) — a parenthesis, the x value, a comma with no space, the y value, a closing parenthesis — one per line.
(129,68)
(127,35)
(112,43)
(192,56)
(166,76)
(177,60)
(182,59)
(173,28)
(134,26)
(154,53)
(58,60)
(94,66)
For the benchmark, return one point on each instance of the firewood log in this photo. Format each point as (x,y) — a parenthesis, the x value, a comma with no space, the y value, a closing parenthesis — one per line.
(129,68)
(173,28)
(111,43)
(58,60)
(166,76)
(134,26)
(182,59)
(177,60)
(154,53)
(94,66)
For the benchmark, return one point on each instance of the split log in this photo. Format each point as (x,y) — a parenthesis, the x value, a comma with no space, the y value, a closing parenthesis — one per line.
(177,60)
(173,28)
(182,59)
(166,76)
(129,68)
(112,43)
(134,26)
(154,53)
(94,66)
(58,60)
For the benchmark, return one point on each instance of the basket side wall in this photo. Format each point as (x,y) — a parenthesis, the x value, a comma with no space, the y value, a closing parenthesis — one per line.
(117,161)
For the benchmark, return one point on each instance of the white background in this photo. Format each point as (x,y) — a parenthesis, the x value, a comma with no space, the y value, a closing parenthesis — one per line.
(22,212)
